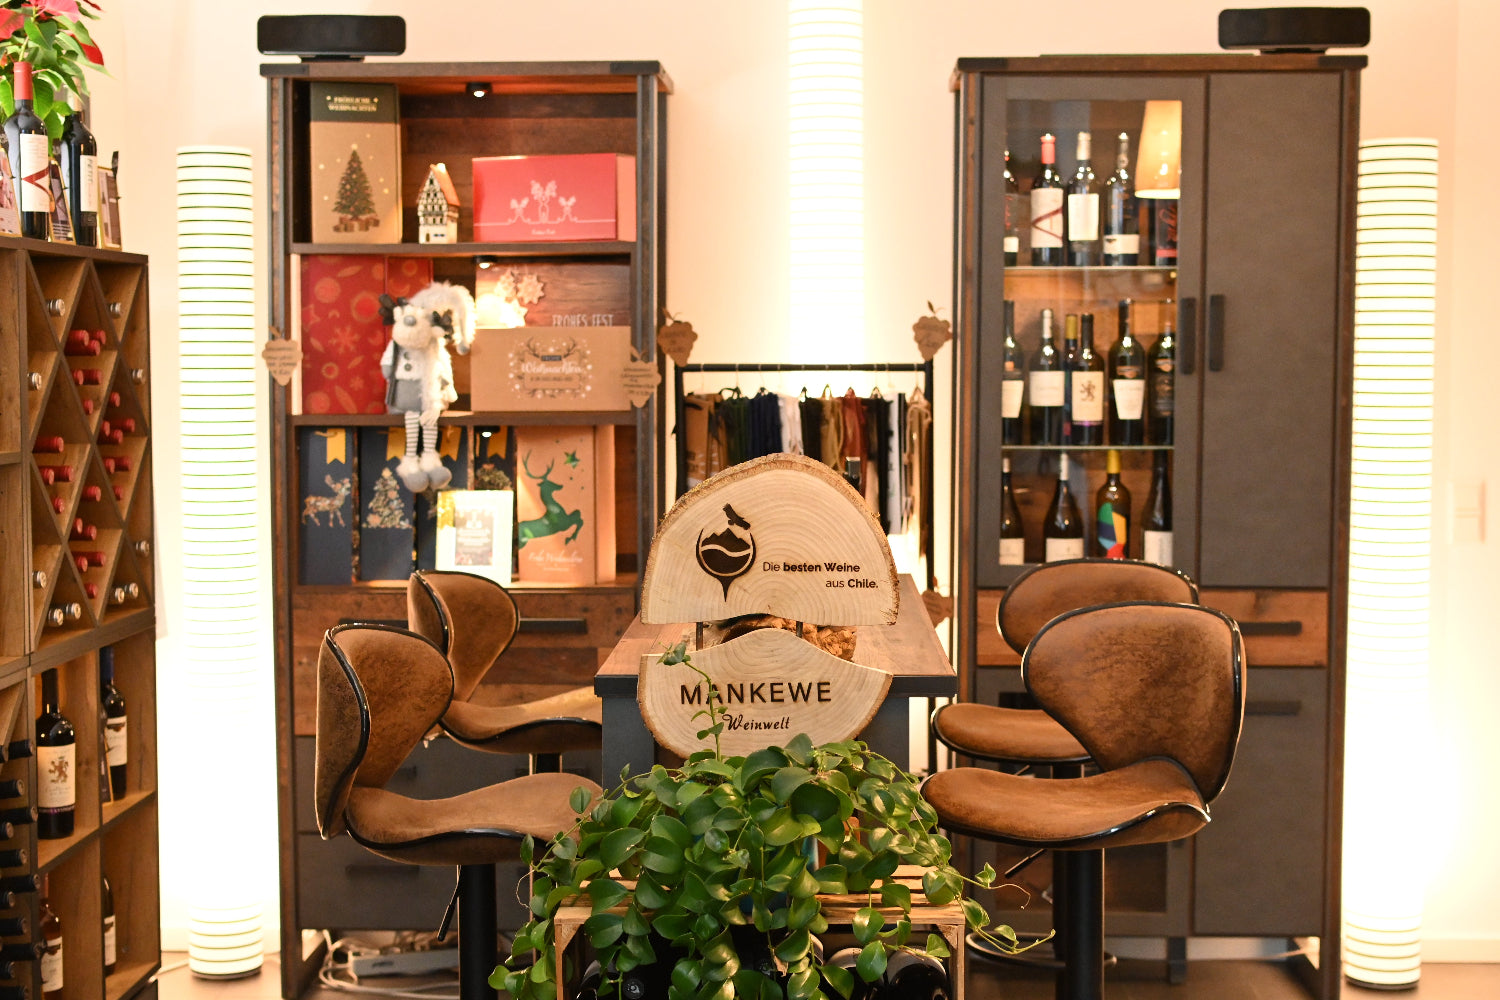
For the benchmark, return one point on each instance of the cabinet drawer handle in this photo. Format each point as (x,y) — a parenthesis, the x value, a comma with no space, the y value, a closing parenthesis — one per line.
(402,871)
(554,626)
(1187,329)
(1271,628)
(1293,707)
(1216,333)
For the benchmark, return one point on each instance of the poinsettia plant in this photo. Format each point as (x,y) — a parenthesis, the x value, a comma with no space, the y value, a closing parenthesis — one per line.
(52,36)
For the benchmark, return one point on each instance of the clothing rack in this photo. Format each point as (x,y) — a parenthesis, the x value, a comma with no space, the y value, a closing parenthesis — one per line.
(679,404)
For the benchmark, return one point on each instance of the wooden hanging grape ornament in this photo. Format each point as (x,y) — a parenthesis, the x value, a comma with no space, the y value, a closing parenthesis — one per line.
(283,355)
(931,333)
(640,379)
(676,338)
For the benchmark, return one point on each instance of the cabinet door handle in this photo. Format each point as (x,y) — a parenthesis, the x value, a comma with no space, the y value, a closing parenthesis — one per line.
(1216,333)
(1293,707)
(554,626)
(1187,327)
(1271,628)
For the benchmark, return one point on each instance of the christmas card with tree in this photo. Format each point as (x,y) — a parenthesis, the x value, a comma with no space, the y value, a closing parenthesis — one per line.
(453,449)
(565,504)
(326,552)
(387,509)
(356,163)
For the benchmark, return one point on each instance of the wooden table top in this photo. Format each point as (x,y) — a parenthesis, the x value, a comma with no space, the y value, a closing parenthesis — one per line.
(908,650)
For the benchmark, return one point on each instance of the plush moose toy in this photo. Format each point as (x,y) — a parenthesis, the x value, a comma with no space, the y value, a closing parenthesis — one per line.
(419,372)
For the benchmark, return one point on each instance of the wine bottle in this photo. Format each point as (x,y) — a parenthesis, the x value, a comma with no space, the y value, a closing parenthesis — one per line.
(1164,232)
(18,815)
(1127,385)
(1083,208)
(30,157)
(1047,248)
(1086,387)
(55,759)
(49,444)
(1161,366)
(15,926)
(1012,380)
(12,788)
(25,883)
(1045,384)
(1122,223)
(52,940)
(28,951)
(78,156)
(1069,359)
(1012,531)
(1014,209)
(110,952)
(14,857)
(112,705)
(1063,534)
(1112,512)
(1156,527)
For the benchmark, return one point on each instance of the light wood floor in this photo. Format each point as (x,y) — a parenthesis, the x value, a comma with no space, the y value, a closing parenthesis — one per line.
(1127,981)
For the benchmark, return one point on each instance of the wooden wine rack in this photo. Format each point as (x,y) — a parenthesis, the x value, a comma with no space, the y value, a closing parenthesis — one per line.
(91,392)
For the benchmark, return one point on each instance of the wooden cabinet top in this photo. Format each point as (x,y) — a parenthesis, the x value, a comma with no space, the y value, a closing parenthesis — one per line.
(1219,62)
(600,77)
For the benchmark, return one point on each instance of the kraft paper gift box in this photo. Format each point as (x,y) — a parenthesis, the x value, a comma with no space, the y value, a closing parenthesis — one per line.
(549,368)
(355,157)
(565,505)
(580,196)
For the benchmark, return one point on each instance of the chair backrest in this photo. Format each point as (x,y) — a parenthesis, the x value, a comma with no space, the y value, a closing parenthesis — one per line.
(470,618)
(1139,680)
(1047,590)
(379,690)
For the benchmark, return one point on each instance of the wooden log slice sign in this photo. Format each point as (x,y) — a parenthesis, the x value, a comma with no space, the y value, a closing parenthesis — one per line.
(785,536)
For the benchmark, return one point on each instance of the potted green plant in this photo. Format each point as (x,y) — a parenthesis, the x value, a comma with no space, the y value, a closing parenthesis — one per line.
(52,36)
(694,859)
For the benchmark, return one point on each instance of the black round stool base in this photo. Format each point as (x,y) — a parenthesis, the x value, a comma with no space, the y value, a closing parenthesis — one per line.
(1039,956)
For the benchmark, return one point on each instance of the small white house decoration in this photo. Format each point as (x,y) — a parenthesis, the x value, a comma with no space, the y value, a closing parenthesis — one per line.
(437,207)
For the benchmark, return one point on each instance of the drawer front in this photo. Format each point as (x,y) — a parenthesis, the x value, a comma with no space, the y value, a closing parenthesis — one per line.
(1282,628)
(342,886)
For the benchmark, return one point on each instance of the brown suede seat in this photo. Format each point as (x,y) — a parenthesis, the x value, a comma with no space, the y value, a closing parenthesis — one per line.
(1155,694)
(1012,735)
(380,689)
(473,619)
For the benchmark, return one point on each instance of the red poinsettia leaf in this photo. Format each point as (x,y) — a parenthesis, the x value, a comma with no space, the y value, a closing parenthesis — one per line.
(63,8)
(10,22)
(91,52)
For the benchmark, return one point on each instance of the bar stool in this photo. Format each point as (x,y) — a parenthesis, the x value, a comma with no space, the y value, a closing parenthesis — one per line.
(472,620)
(1028,737)
(1155,695)
(379,690)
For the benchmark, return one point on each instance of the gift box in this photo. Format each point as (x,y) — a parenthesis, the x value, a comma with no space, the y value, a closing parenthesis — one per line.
(342,333)
(387,508)
(565,505)
(325,551)
(549,368)
(524,199)
(355,154)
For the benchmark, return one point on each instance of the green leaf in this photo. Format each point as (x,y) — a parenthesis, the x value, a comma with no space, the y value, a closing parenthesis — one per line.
(974,914)
(866,924)
(674,926)
(986,876)
(788,780)
(605,893)
(662,856)
(937,947)
(715,840)
(871,962)
(586,869)
(781,828)
(765,761)
(793,946)
(750,984)
(895,894)
(832,879)
(636,926)
(883,865)
(802,911)
(941,885)
(699,815)
(565,848)
(687,975)
(805,887)
(617,846)
(604,929)
(902,933)
(840,978)
(816,802)
(803,985)
(579,799)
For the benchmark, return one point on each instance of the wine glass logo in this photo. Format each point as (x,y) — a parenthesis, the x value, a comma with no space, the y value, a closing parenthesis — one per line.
(729,553)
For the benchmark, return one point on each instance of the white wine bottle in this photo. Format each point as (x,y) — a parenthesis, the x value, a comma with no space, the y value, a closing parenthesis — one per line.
(1083,208)
(1063,533)
(1156,518)
(1012,531)
(1112,513)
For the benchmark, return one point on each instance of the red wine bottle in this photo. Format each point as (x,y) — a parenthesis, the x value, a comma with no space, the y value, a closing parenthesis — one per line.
(1086,388)
(1164,232)
(51,964)
(1127,385)
(1012,380)
(1156,518)
(1083,208)
(1161,367)
(111,953)
(1069,359)
(55,759)
(78,156)
(1122,221)
(1112,513)
(30,157)
(1045,385)
(48,444)
(112,705)
(1047,193)
(1063,533)
(1015,210)
(1012,531)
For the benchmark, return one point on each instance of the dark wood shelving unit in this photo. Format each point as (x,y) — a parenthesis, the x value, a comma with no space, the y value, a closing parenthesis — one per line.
(1261,295)
(46,291)
(533,108)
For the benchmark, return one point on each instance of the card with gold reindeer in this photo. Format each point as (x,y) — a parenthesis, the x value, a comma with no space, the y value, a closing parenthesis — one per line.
(326,552)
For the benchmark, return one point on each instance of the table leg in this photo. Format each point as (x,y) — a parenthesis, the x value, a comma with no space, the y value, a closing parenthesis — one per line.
(889,733)
(626,741)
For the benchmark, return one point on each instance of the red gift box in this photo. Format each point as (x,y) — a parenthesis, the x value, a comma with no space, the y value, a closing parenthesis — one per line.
(525,199)
(343,335)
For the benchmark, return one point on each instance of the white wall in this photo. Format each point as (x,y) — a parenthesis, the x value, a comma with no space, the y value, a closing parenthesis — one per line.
(185,72)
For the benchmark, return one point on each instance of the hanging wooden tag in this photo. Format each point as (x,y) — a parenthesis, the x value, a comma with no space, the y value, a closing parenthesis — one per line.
(640,379)
(931,333)
(283,356)
(676,338)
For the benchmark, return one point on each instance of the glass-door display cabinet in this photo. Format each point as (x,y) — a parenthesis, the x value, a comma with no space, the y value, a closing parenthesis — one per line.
(1154,322)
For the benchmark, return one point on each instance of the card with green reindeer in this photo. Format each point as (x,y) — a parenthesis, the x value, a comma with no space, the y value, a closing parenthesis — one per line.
(565,505)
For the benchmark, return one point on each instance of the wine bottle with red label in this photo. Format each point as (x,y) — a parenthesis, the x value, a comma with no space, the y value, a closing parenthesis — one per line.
(1047,194)
(30,156)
